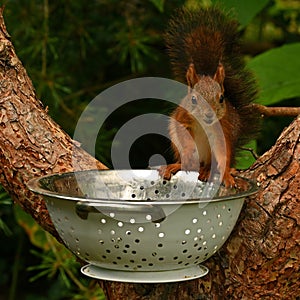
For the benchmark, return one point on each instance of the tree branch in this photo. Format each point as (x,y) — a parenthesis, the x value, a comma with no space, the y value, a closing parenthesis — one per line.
(267,111)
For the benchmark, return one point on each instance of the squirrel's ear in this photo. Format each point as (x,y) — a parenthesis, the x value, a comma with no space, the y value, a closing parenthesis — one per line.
(220,76)
(191,76)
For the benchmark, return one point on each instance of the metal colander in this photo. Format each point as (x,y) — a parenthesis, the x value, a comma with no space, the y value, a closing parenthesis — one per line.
(131,225)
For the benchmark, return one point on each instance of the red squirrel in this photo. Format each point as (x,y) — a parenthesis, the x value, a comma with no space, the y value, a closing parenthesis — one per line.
(204,49)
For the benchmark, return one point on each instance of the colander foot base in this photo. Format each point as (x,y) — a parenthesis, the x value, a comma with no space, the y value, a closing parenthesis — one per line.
(189,273)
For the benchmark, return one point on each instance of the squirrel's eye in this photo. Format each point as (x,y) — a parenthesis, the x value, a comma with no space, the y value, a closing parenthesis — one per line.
(221,99)
(194,100)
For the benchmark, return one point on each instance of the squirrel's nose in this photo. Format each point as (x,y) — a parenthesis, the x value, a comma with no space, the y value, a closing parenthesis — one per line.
(209,114)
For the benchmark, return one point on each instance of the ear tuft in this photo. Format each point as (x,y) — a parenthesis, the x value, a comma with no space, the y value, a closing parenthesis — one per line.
(191,76)
(220,76)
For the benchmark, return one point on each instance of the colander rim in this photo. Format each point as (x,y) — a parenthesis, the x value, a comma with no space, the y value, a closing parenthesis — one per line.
(35,186)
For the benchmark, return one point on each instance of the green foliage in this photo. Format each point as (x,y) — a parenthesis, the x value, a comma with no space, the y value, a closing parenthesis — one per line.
(244,11)
(278,73)
(5,202)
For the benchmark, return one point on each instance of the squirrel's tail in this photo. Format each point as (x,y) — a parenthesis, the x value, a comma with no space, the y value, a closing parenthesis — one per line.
(207,37)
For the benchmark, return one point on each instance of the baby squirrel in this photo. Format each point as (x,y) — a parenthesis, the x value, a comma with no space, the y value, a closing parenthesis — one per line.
(204,49)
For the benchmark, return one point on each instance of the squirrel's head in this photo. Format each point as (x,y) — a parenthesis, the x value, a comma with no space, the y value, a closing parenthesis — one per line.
(205,97)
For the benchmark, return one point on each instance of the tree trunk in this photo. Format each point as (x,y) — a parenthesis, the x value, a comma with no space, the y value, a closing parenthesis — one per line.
(259,261)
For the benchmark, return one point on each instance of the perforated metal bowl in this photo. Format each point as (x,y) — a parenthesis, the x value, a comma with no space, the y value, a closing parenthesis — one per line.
(131,225)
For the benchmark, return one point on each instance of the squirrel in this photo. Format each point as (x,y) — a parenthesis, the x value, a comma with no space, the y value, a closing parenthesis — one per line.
(204,48)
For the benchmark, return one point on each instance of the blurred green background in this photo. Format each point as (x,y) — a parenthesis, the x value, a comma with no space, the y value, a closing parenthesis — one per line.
(72,51)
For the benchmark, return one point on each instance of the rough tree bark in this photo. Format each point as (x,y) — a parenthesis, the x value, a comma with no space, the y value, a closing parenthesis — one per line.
(259,261)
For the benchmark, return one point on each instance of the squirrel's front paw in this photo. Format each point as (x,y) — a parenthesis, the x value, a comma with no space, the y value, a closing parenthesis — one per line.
(204,173)
(228,180)
(167,171)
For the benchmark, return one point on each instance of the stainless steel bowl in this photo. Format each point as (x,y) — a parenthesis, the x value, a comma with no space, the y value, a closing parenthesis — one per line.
(131,225)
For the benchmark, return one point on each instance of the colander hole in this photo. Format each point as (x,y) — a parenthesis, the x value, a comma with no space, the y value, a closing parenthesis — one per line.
(103,256)
(137,241)
(87,254)
(196,238)
(196,245)
(72,228)
(144,259)
(150,265)
(200,248)
(103,221)
(152,182)
(126,266)
(224,207)
(216,247)
(195,220)
(141,187)
(204,243)
(119,258)
(208,221)
(197,257)
(132,220)
(156,192)
(160,245)
(133,195)
(127,246)
(115,263)
(164,182)
(182,194)
(161,235)
(174,186)
(183,242)
(220,223)
(124,251)
(128,232)
(99,231)
(204,213)
(154,253)
(223,237)
(180,262)
(132,261)
(229,209)
(148,217)
(117,246)
(107,251)
(175,257)
(157,225)
(112,215)
(112,232)
(148,199)
(161,259)
(187,231)
(139,266)
(101,242)
(206,254)
(141,229)
(77,240)
(218,216)
(185,251)
(167,195)
(213,236)
(186,264)
(199,230)
(120,224)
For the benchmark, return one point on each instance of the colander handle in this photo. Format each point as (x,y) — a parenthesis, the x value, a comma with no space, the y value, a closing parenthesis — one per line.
(84,208)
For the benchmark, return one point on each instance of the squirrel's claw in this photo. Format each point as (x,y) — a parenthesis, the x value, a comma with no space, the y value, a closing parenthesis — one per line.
(167,171)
